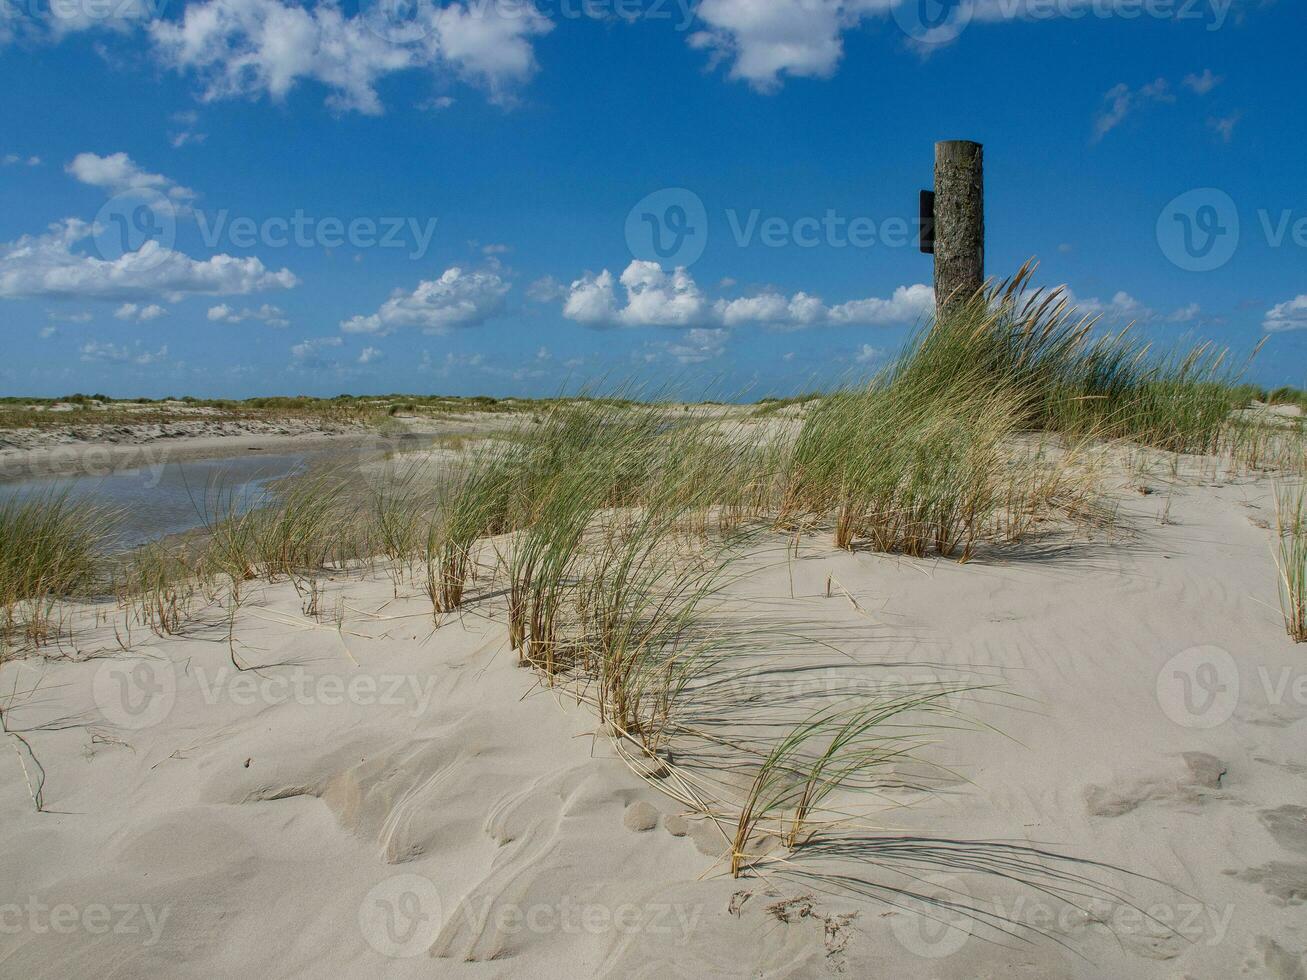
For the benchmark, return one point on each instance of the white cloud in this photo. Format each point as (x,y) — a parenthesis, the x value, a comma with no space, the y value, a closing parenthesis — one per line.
(766,40)
(1290,315)
(1124,308)
(452,362)
(273,316)
(46,266)
(117,173)
(152,358)
(248,48)
(867,354)
(308,352)
(456,299)
(654,297)
(591,300)
(1204,83)
(186,132)
(48,331)
(13,159)
(546,289)
(81,316)
(658,298)
(93,351)
(370,354)
(139,313)
(1223,126)
(1121,100)
(698,345)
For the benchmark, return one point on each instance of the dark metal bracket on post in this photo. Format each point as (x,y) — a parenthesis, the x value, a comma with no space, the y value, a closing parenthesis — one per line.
(926,222)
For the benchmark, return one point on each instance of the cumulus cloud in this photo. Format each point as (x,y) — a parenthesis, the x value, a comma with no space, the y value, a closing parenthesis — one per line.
(93,351)
(652,296)
(57,20)
(47,266)
(309,352)
(766,40)
(139,313)
(117,173)
(1124,308)
(248,48)
(13,159)
(457,299)
(370,354)
(698,344)
(1289,315)
(273,316)
(867,354)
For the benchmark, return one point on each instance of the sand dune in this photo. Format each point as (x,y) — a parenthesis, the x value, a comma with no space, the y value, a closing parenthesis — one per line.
(396,798)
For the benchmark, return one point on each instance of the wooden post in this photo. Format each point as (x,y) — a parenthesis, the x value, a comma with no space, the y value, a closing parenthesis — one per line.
(959,221)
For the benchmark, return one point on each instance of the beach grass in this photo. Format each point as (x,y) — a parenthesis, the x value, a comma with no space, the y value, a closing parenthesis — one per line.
(49,548)
(1291,557)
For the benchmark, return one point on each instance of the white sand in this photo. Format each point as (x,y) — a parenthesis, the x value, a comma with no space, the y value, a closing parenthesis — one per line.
(457,820)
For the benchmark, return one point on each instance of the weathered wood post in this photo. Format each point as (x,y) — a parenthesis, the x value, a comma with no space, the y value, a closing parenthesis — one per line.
(959,226)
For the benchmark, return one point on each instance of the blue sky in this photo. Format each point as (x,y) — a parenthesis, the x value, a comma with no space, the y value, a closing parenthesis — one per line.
(240,197)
